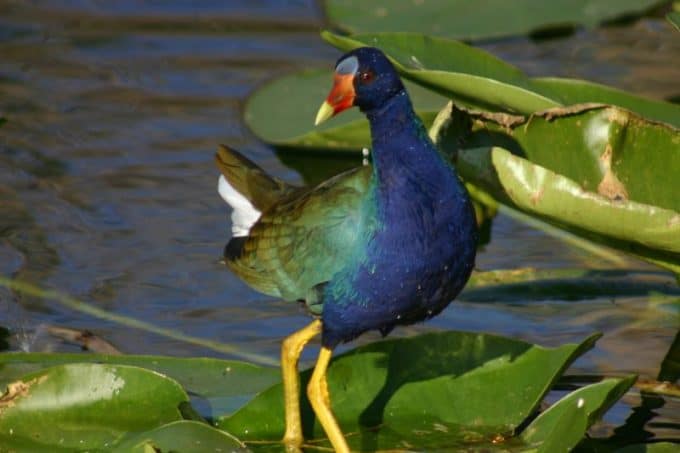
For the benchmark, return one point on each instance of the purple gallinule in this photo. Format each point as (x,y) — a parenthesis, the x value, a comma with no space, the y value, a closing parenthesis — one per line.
(372,248)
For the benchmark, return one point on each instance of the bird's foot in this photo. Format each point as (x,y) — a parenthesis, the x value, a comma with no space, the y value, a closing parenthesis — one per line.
(317,392)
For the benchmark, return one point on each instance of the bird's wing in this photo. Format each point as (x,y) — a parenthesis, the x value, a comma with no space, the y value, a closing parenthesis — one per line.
(304,239)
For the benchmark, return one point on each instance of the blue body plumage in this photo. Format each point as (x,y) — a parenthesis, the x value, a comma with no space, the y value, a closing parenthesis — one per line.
(420,249)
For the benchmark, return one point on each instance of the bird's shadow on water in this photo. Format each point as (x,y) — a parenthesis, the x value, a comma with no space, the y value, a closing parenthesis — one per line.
(424,358)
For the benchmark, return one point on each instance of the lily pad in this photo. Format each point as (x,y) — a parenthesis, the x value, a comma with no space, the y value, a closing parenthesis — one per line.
(282,113)
(646,230)
(477,79)
(450,389)
(85,406)
(608,150)
(463,19)
(225,384)
(460,387)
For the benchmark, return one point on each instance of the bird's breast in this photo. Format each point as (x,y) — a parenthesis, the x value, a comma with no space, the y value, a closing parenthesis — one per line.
(418,258)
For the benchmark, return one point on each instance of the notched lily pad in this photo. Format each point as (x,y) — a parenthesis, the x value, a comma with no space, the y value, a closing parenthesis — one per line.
(430,391)
(463,19)
(434,391)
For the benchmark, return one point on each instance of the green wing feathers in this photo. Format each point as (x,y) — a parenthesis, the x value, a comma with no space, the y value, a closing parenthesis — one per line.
(304,235)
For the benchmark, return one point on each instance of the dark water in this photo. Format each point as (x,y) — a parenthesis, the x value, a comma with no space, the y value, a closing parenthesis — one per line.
(108,188)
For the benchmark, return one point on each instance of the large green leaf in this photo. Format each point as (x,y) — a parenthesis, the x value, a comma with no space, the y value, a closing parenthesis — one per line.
(225,384)
(643,229)
(640,229)
(469,75)
(282,113)
(85,406)
(183,436)
(608,150)
(459,387)
(476,78)
(464,19)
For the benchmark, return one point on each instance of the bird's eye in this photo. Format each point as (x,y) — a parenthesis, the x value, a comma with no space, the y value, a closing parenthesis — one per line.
(366,77)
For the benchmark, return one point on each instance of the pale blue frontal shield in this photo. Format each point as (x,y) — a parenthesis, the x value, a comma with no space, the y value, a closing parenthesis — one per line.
(349,65)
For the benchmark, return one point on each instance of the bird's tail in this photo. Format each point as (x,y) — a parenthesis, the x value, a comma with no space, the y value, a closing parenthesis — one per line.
(246,188)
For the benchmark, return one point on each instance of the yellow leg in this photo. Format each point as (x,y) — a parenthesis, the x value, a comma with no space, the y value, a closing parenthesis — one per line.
(317,392)
(290,354)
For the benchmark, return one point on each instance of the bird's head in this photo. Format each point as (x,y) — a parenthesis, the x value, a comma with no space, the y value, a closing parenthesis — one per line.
(363,77)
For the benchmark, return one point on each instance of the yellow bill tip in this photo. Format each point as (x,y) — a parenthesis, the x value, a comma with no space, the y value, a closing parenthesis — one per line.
(325,111)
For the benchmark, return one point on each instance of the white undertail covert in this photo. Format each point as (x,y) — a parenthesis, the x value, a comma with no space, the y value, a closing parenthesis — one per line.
(243,215)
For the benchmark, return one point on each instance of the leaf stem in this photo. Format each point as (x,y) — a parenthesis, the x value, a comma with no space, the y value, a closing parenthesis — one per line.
(83,307)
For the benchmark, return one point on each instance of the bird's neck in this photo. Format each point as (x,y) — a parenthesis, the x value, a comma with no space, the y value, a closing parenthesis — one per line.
(401,146)
(394,117)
